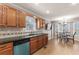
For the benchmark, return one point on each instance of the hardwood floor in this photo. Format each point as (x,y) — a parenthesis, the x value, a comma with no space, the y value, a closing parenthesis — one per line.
(56,47)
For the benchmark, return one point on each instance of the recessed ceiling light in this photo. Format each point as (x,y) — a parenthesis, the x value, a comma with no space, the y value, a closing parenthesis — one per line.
(47,11)
(74,3)
(36,4)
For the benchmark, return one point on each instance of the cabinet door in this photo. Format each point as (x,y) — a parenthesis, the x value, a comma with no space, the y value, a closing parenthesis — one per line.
(45,40)
(1,15)
(6,49)
(21,19)
(11,17)
(4,16)
(40,42)
(43,23)
(38,23)
(33,46)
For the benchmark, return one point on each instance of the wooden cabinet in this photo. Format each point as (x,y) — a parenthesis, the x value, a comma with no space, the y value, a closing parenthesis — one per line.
(43,23)
(6,48)
(21,19)
(11,17)
(2,15)
(45,40)
(37,23)
(40,23)
(38,42)
(33,45)
(7,51)
(7,16)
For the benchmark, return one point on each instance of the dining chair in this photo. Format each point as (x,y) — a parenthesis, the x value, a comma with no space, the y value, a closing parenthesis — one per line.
(71,37)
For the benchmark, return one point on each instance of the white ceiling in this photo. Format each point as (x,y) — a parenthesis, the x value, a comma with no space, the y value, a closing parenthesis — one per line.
(56,9)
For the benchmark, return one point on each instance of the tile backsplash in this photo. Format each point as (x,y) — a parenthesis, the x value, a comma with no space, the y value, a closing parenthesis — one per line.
(5,32)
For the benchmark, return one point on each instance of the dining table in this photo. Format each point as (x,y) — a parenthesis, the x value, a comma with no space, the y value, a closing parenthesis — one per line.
(65,36)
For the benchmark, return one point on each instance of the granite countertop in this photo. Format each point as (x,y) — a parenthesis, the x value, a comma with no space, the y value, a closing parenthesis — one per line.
(15,38)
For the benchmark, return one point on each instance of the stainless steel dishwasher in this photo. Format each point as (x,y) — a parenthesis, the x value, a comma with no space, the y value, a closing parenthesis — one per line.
(21,47)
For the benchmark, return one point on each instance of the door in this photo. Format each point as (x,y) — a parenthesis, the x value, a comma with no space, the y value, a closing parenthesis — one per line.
(11,17)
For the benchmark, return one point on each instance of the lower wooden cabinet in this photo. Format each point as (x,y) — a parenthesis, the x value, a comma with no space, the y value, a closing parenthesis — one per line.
(6,48)
(7,51)
(45,40)
(33,45)
(38,42)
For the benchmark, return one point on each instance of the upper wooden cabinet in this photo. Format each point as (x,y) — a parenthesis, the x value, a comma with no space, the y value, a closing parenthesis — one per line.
(21,19)
(2,15)
(11,17)
(43,23)
(37,23)
(40,23)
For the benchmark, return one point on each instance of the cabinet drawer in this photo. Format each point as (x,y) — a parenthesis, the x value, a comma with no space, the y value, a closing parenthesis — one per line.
(8,51)
(33,38)
(6,45)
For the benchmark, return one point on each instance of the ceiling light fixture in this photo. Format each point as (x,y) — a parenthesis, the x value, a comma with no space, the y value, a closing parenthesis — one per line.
(47,11)
(36,4)
(74,3)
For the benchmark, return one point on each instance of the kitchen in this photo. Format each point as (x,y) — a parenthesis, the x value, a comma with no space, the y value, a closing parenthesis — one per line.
(24,31)
(18,32)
